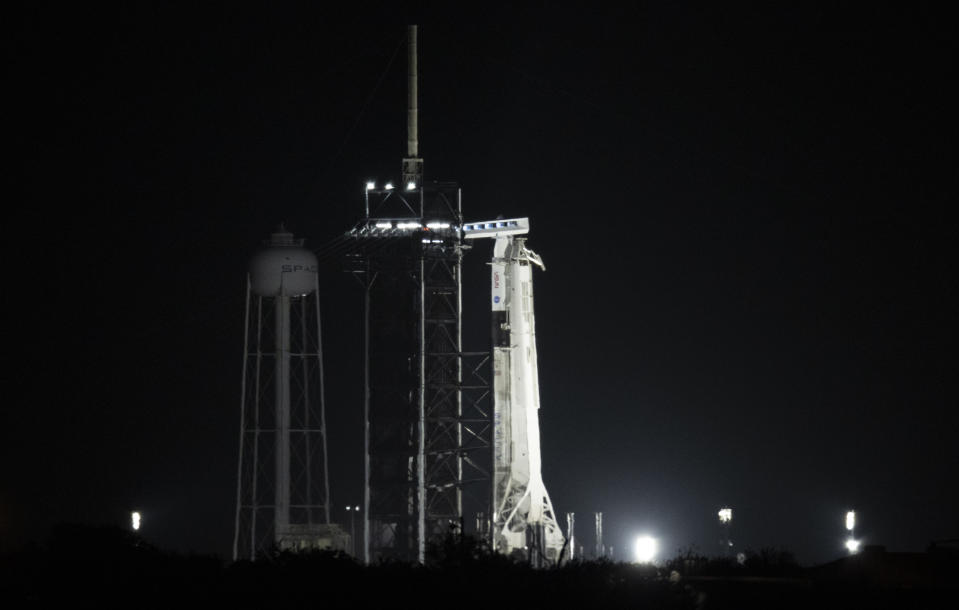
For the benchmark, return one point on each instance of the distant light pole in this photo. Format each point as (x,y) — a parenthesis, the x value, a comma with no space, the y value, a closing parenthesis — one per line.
(135,520)
(725,524)
(353,510)
(852,545)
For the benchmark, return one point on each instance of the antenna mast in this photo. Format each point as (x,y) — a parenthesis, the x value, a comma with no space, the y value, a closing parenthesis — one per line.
(412,164)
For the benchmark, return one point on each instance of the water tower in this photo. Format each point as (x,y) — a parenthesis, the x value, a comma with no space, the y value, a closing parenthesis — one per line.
(282,489)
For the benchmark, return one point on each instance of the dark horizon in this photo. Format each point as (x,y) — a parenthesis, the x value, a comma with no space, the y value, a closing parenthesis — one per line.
(750,297)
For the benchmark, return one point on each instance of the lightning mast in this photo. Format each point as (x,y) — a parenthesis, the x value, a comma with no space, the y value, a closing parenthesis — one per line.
(412,164)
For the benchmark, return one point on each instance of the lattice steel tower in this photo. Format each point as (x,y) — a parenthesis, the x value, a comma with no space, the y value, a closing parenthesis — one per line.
(282,485)
(427,428)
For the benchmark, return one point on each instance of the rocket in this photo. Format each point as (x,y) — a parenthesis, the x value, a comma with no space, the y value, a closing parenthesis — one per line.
(524,522)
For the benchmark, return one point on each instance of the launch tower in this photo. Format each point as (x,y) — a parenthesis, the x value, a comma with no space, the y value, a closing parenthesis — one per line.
(426,424)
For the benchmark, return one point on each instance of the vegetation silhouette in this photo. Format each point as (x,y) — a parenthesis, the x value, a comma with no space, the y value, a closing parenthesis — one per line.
(86,566)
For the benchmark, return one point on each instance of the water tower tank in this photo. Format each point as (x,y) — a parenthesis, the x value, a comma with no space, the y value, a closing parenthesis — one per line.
(283,267)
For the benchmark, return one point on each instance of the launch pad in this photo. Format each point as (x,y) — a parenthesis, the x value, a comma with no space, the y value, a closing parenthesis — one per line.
(444,437)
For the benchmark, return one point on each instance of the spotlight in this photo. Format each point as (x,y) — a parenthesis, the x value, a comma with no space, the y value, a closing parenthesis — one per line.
(646,549)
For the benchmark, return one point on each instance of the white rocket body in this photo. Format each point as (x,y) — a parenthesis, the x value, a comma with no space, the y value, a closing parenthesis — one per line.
(523,518)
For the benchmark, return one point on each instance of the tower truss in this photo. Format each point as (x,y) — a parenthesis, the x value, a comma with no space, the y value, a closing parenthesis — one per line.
(428,423)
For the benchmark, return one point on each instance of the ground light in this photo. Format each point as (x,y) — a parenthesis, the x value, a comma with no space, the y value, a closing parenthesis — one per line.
(852,545)
(135,520)
(646,548)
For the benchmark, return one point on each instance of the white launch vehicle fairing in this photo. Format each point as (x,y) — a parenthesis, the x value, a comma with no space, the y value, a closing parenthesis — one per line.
(524,522)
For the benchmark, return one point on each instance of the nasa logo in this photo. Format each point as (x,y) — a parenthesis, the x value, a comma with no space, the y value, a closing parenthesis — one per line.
(496,299)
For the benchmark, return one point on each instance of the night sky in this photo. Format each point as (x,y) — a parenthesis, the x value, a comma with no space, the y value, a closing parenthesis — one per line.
(750,296)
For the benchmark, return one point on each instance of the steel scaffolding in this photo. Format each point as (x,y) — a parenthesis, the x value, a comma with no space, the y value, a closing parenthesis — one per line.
(427,421)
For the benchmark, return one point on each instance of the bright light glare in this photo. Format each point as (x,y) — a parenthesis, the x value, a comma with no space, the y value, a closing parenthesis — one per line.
(726,515)
(850,520)
(370,186)
(852,545)
(135,518)
(646,549)
(410,186)
(389,186)
(384,225)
